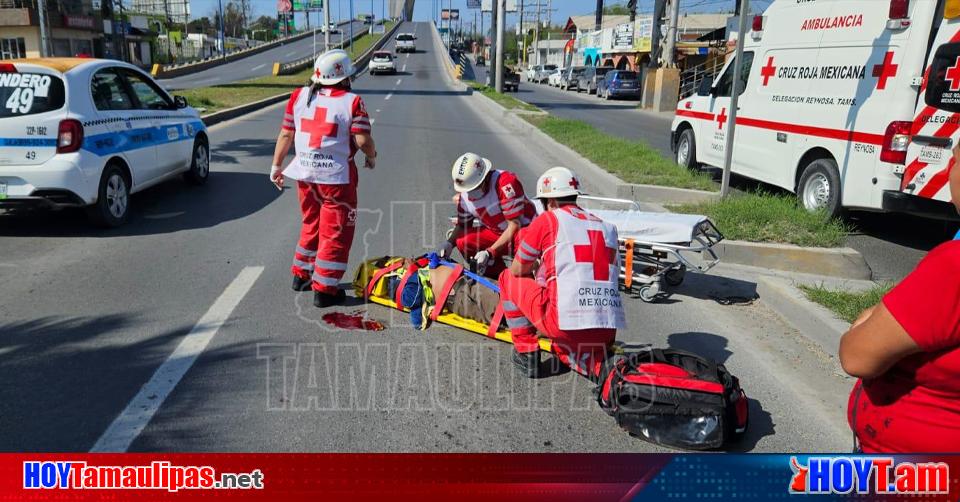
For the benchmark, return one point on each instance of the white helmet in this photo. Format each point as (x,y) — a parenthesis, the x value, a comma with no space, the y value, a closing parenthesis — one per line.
(558,182)
(469,171)
(332,67)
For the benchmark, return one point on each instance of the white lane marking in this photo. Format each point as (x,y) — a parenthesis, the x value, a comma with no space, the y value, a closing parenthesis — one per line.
(290,53)
(399,80)
(388,96)
(255,68)
(138,413)
(378,111)
(372,121)
(404,67)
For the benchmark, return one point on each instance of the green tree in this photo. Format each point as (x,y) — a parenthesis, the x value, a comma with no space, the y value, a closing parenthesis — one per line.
(616,10)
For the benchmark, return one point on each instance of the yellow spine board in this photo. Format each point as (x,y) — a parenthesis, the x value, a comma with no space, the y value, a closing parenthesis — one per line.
(463,323)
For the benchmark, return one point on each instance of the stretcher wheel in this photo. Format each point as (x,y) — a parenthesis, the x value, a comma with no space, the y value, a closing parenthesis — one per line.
(648,293)
(676,276)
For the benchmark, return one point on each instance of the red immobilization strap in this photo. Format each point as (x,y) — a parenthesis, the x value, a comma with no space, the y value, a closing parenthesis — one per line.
(379,275)
(495,322)
(445,292)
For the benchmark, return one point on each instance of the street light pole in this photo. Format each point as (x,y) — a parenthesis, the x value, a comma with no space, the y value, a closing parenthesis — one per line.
(501,7)
(326,25)
(734,99)
(223,45)
(351,25)
(44,36)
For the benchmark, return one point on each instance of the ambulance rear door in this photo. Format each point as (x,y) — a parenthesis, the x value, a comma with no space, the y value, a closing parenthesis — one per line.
(936,124)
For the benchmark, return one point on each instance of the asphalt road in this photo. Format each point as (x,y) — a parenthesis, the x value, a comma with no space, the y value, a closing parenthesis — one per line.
(261,64)
(197,286)
(892,244)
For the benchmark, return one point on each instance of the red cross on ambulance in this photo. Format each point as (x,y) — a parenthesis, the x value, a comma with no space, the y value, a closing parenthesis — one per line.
(953,76)
(885,70)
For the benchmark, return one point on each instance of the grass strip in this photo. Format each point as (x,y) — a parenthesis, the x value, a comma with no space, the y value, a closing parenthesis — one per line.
(766,217)
(505,100)
(847,305)
(631,161)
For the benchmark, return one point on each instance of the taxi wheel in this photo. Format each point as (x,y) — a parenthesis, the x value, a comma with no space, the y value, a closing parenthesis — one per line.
(819,187)
(200,164)
(113,198)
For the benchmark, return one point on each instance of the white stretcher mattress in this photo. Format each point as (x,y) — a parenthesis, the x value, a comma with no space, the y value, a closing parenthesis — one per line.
(666,228)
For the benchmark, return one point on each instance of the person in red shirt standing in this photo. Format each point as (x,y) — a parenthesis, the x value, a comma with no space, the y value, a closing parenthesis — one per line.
(326,124)
(495,198)
(564,282)
(906,352)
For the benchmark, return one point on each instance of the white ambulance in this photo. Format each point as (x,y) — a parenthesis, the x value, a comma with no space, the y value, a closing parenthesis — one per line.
(848,103)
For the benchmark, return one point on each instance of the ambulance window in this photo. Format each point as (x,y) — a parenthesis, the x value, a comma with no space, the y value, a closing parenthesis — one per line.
(109,91)
(943,87)
(29,93)
(725,85)
(149,96)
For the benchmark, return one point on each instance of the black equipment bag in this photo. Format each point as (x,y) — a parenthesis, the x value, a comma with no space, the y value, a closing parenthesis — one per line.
(674,398)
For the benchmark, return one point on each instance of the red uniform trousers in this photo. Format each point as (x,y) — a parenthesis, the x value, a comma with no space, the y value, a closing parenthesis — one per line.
(473,240)
(329,219)
(527,309)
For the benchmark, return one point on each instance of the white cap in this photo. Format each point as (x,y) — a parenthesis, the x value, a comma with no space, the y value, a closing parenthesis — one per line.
(469,171)
(558,182)
(332,67)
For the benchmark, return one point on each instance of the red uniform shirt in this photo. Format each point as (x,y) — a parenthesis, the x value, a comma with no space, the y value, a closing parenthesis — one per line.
(915,406)
(505,201)
(539,242)
(359,125)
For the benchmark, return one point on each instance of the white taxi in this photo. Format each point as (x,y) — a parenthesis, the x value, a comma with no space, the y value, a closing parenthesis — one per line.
(90,132)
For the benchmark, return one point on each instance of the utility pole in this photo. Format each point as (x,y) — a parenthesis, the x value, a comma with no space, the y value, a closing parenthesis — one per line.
(220,36)
(493,43)
(536,36)
(326,25)
(599,16)
(734,100)
(44,36)
(351,25)
(670,56)
(659,6)
(501,15)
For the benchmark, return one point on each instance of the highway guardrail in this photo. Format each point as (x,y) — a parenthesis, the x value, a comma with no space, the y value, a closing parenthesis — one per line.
(301,64)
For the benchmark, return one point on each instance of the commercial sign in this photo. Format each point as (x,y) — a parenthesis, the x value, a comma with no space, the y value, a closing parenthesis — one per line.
(487,5)
(284,6)
(623,37)
(79,22)
(455,14)
(643,35)
(303,5)
(444,14)
(473,4)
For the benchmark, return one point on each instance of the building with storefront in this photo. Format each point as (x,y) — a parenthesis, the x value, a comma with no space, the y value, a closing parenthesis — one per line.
(75,29)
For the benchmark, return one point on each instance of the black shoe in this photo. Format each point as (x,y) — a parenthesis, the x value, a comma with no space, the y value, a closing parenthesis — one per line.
(301,284)
(528,364)
(324,300)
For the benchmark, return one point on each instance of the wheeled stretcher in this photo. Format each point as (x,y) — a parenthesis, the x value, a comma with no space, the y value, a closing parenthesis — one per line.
(658,249)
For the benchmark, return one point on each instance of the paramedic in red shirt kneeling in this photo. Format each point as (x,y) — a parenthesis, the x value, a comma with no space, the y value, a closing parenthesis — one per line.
(326,124)
(573,295)
(496,199)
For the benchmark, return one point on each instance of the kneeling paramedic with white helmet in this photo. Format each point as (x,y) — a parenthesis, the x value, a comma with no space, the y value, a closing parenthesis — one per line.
(495,198)
(326,124)
(564,282)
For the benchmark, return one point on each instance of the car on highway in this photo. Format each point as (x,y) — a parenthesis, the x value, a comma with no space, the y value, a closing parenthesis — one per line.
(89,133)
(590,78)
(331,28)
(619,84)
(554,79)
(406,42)
(382,62)
(531,73)
(543,73)
(368,19)
(511,80)
(570,77)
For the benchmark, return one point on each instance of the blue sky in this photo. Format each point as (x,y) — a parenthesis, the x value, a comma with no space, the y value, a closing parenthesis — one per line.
(562,8)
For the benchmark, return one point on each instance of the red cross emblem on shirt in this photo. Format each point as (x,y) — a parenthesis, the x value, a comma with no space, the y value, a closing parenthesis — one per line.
(885,71)
(953,76)
(597,253)
(768,72)
(722,118)
(318,127)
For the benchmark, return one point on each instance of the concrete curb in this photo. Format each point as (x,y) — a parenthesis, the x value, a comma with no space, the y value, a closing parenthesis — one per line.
(833,262)
(447,62)
(231,113)
(812,320)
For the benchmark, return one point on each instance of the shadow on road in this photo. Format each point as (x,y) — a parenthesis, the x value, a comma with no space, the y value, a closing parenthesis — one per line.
(410,92)
(169,207)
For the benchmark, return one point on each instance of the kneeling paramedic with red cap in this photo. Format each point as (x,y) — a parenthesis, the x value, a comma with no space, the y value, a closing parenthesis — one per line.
(327,124)
(564,282)
(495,198)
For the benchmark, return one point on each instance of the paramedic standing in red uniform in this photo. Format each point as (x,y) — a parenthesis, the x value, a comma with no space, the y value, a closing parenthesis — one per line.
(326,124)
(906,352)
(574,298)
(495,198)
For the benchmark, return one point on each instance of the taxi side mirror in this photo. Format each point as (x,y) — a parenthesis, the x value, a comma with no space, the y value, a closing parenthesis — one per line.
(706,87)
(180,102)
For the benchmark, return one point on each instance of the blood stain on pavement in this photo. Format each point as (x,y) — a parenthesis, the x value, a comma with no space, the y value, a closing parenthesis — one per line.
(355,320)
